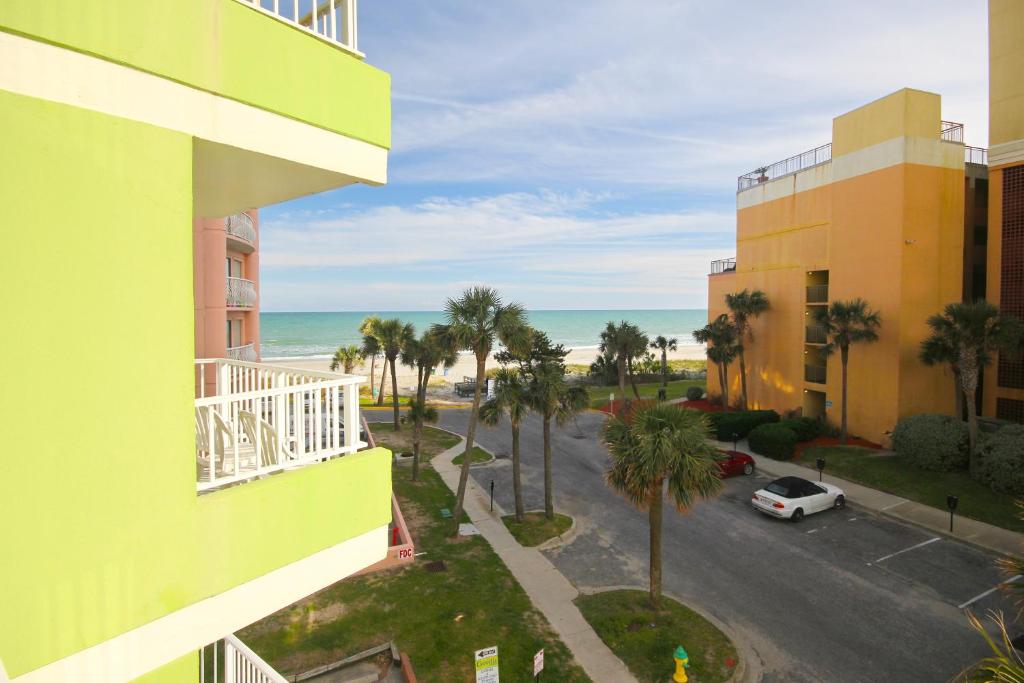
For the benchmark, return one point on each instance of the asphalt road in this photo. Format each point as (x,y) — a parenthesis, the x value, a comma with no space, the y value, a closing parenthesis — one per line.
(843,596)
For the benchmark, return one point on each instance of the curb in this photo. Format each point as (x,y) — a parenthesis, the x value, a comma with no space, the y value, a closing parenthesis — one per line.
(561,540)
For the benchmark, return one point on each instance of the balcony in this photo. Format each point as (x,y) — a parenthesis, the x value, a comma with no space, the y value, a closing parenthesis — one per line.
(242,232)
(817,294)
(240,293)
(951,131)
(975,155)
(260,419)
(799,162)
(815,373)
(246,352)
(335,21)
(726,265)
(815,334)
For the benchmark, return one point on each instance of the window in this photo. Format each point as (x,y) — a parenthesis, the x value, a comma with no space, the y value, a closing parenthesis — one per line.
(1010,409)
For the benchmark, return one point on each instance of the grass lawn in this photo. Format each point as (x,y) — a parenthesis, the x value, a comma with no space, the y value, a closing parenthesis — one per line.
(433,441)
(645,639)
(438,617)
(535,528)
(676,389)
(367,402)
(477,455)
(890,474)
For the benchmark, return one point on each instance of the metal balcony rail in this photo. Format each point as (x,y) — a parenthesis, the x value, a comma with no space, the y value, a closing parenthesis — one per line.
(253,419)
(975,155)
(335,21)
(815,334)
(240,226)
(240,293)
(817,294)
(951,131)
(814,373)
(246,352)
(804,160)
(238,663)
(725,265)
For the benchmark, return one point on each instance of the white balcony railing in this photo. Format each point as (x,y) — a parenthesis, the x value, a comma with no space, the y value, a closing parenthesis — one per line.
(238,663)
(253,419)
(240,226)
(240,293)
(245,352)
(336,21)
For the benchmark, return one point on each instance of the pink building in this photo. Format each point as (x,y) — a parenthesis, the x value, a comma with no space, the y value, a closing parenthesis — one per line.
(226,281)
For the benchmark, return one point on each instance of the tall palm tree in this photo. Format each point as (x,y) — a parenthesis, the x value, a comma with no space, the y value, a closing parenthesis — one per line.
(475,322)
(346,358)
(722,348)
(744,306)
(371,349)
(847,323)
(512,400)
(664,345)
(942,347)
(554,398)
(625,340)
(968,336)
(394,335)
(636,347)
(658,444)
(423,355)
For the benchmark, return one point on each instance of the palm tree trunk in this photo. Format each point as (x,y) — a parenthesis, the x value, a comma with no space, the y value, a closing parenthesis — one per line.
(664,368)
(417,429)
(394,395)
(961,407)
(621,362)
(474,415)
(654,512)
(517,483)
(383,378)
(969,375)
(845,354)
(549,503)
(743,379)
(725,387)
(632,378)
(373,366)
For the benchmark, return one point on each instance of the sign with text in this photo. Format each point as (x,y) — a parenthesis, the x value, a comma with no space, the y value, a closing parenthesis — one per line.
(828,404)
(487,665)
(538,662)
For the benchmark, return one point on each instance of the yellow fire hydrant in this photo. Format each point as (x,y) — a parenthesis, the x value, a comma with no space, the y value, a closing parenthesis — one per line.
(682,664)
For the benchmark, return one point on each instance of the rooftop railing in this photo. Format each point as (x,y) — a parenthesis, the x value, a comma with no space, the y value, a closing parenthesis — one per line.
(799,162)
(240,226)
(335,21)
(725,265)
(951,131)
(975,155)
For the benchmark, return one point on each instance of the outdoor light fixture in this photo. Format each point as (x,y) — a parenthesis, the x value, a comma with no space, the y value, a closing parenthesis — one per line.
(951,503)
(820,463)
(735,440)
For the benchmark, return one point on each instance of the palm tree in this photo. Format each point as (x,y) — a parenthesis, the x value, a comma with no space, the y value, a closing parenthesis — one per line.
(664,345)
(636,346)
(511,399)
(847,323)
(722,348)
(744,306)
(475,321)
(554,398)
(618,339)
(424,354)
(346,358)
(371,349)
(393,335)
(968,336)
(656,444)
(941,347)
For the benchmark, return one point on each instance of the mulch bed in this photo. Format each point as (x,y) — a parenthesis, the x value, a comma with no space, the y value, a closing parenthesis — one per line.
(833,441)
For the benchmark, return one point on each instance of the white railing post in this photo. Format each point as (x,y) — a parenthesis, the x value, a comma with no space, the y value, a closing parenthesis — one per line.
(229,663)
(351,417)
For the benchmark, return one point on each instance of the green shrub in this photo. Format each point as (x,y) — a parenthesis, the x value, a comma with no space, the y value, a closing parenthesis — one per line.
(737,425)
(774,440)
(1000,461)
(805,428)
(694,393)
(939,443)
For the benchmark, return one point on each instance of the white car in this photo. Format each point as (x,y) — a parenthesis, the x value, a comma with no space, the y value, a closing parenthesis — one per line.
(792,498)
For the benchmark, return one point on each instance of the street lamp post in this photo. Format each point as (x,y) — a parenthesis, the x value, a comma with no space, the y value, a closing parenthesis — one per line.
(820,463)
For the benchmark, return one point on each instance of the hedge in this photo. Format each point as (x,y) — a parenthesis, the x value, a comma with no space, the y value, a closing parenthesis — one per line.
(928,441)
(737,425)
(694,393)
(773,440)
(805,428)
(1000,460)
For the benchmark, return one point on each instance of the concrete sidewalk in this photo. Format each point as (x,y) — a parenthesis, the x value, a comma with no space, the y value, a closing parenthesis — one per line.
(548,589)
(971,531)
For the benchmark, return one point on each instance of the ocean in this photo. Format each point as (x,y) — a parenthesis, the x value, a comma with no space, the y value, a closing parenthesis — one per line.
(317,335)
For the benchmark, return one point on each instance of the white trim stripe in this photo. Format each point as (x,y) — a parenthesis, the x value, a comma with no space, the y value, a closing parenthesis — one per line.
(987,593)
(907,550)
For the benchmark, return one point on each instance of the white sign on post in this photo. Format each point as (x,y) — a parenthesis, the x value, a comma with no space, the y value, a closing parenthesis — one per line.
(538,662)
(487,665)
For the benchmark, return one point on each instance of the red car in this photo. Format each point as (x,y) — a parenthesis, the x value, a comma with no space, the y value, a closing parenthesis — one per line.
(733,463)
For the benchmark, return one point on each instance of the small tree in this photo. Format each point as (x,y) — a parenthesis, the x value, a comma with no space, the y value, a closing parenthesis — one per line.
(511,400)
(371,349)
(847,323)
(722,348)
(654,445)
(393,335)
(346,358)
(664,345)
(615,341)
(424,354)
(744,306)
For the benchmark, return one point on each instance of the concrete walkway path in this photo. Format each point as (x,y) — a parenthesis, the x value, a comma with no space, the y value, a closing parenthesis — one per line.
(548,589)
(965,529)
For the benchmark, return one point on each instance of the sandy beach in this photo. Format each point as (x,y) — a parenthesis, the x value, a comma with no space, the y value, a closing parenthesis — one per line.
(466,365)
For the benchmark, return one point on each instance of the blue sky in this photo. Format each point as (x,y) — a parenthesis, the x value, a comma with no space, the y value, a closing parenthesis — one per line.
(584,154)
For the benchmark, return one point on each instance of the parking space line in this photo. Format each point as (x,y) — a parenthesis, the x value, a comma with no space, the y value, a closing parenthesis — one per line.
(990,591)
(907,550)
